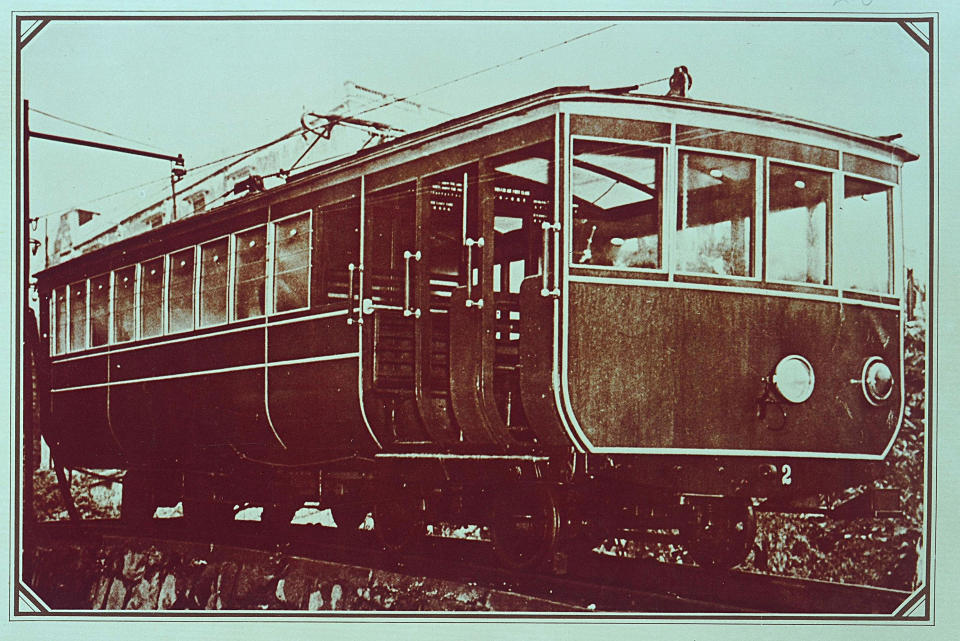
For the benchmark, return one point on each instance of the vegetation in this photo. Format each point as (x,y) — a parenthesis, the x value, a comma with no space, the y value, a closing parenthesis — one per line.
(96,495)
(883,552)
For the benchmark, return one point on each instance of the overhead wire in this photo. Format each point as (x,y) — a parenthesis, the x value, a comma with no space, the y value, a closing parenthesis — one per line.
(245,153)
(249,152)
(484,70)
(101,131)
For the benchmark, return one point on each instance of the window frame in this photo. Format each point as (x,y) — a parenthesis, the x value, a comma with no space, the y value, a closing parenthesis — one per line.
(109,312)
(272,261)
(830,285)
(195,286)
(320,234)
(86,312)
(136,304)
(163,296)
(232,295)
(757,260)
(198,273)
(894,239)
(54,335)
(667,158)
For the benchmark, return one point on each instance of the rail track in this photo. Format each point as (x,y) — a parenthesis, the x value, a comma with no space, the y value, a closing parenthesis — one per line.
(590,582)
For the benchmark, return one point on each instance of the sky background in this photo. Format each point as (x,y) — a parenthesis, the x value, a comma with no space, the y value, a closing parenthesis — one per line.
(207,89)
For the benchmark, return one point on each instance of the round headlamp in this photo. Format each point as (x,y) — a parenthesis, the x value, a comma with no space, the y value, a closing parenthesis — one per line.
(793,378)
(876,380)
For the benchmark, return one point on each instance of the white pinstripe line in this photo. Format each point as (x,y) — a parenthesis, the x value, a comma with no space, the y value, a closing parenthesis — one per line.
(238,368)
(300,319)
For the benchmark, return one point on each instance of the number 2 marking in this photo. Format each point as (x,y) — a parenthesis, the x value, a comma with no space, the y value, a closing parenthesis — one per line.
(785,479)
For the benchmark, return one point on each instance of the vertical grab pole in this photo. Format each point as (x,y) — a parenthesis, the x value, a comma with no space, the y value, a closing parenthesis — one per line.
(351,268)
(546,290)
(471,243)
(407,307)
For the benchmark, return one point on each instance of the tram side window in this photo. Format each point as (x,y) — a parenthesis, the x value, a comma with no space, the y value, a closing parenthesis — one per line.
(214,274)
(151,297)
(717,203)
(797,237)
(445,223)
(99,310)
(60,320)
(180,301)
(250,273)
(124,308)
(864,229)
(617,200)
(390,218)
(291,267)
(78,316)
(340,246)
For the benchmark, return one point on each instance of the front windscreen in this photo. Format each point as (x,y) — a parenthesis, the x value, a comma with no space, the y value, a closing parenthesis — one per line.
(617,200)
(797,238)
(717,205)
(864,231)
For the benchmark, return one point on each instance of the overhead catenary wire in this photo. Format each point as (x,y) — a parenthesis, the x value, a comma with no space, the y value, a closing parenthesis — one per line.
(391,101)
(101,131)
(394,100)
(484,70)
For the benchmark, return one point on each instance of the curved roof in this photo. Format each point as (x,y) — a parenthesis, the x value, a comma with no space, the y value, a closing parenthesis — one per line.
(556,95)
(621,94)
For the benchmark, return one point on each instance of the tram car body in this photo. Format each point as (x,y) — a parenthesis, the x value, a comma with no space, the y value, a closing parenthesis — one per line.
(593,311)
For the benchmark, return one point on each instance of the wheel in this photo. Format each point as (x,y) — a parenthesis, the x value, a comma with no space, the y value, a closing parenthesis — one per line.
(278,515)
(720,533)
(398,520)
(349,517)
(137,503)
(525,526)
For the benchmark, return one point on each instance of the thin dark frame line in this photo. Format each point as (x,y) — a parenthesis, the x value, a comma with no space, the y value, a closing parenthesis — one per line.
(374,15)
(930,18)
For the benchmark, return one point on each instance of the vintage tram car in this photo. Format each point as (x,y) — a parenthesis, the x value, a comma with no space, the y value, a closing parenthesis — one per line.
(568,316)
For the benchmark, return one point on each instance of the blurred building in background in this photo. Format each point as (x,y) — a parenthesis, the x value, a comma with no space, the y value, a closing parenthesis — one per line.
(213,184)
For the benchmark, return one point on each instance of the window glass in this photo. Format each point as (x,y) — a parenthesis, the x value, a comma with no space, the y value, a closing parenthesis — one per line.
(251,271)
(391,216)
(180,311)
(862,255)
(151,298)
(99,310)
(716,205)
(60,320)
(445,235)
(291,270)
(78,316)
(340,243)
(617,199)
(214,271)
(797,224)
(124,281)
